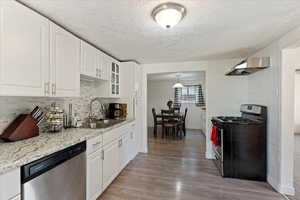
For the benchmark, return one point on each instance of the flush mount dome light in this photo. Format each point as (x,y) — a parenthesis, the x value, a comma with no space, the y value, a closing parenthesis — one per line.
(168,14)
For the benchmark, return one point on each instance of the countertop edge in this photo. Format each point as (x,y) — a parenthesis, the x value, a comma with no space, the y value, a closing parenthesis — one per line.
(93,133)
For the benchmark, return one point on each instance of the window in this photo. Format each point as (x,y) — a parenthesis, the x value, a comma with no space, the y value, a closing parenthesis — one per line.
(189,94)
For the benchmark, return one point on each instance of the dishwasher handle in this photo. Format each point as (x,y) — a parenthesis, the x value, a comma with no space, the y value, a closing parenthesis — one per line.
(38,167)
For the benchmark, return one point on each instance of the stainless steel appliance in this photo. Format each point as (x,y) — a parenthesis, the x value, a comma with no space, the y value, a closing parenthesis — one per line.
(59,176)
(241,152)
(250,66)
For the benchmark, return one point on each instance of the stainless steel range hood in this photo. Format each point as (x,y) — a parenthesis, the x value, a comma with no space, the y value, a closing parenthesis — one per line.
(250,66)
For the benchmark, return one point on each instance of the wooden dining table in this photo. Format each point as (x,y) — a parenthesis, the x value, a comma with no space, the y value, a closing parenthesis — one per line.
(170,116)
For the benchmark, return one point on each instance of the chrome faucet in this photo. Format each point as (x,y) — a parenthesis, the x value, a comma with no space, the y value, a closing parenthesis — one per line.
(101,111)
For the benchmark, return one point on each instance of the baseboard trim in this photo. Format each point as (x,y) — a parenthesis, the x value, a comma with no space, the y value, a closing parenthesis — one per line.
(283,189)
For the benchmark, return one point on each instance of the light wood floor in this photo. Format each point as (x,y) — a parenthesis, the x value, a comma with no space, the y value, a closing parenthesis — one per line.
(178,170)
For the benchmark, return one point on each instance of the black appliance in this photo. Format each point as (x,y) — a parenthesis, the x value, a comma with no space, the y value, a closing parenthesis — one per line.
(117,111)
(243,144)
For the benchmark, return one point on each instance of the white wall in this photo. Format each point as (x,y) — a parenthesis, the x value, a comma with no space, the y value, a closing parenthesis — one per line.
(224,94)
(274,87)
(297,102)
(159,92)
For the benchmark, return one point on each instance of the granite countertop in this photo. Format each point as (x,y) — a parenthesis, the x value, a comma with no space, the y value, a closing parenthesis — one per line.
(16,154)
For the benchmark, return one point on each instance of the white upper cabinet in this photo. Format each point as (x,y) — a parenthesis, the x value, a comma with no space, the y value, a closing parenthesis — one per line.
(112,87)
(103,66)
(24,50)
(65,63)
(92,62)
(89,60)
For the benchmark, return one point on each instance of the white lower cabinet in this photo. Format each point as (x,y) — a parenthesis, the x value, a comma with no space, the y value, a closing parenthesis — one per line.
(124,150)
(110,163)
(107,157)
(10,185)
(94,175)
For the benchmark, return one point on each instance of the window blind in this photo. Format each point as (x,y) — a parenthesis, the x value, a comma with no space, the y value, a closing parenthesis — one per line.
(189,94)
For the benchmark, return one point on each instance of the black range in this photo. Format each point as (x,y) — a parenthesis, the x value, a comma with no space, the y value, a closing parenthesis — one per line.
(241,152)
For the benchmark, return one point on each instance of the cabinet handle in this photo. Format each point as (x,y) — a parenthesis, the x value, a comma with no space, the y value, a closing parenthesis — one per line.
(97,143)
(47,85)
(97,74)
(120,142)
(53,89)
(102,156)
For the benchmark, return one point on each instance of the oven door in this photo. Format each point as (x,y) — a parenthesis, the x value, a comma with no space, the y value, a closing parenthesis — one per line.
(218,151)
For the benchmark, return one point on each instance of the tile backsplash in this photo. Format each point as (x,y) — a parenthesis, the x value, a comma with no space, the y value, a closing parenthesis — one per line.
(11,107)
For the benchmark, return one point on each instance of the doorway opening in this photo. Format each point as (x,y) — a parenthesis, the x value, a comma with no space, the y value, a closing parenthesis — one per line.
(291,118)
(176,112)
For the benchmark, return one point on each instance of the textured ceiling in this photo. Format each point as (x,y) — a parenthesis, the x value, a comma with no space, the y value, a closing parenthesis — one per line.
(184,76)
(212,29)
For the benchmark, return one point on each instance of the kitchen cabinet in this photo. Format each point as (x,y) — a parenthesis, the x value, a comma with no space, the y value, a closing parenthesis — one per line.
(111,88)
(89,60)
(64,79)
(24,50)
(115,79)
(38,58)
(94,175)
(132,142)
(104,63)
(94,168)
(110,162)
(92,62)
(124,150)
(10,185)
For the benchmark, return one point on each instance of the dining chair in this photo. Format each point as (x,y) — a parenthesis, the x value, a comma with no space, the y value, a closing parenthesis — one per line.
(184,119)
(168,126)
(176,110)
(181,124)
(156,122)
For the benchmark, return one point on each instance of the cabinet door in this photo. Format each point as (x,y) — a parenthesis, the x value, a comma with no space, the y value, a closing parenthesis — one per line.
(103,66)
(10,184)
(124,151)
(89,60)
(24,50)
(106,66)
(94,175)
(110,163)
(64,63)
(133,142)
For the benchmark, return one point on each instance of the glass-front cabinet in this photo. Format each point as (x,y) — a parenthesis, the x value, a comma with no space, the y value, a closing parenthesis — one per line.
(115,79)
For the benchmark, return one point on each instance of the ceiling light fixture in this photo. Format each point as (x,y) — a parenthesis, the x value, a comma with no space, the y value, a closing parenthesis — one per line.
(178,84)
(168,14)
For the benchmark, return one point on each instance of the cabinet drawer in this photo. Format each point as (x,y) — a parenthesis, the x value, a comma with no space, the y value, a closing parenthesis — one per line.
(115,134)
(94,144)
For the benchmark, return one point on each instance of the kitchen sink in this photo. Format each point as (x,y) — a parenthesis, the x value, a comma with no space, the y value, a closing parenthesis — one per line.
(103,123)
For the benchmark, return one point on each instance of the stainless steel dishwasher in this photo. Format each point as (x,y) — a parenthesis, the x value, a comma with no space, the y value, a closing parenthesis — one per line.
(59,176)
